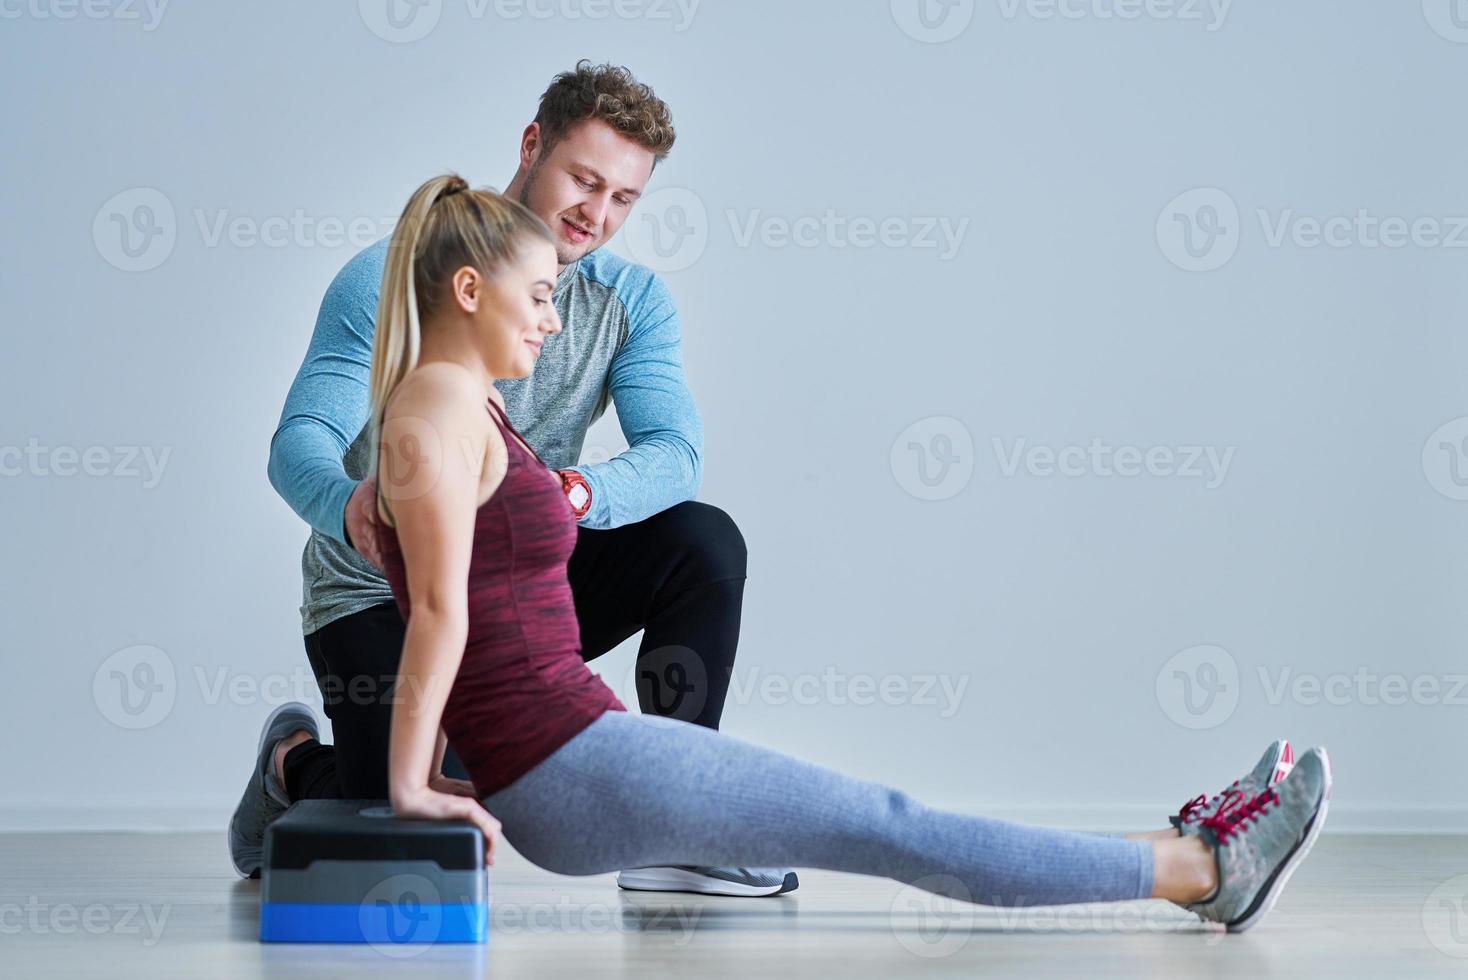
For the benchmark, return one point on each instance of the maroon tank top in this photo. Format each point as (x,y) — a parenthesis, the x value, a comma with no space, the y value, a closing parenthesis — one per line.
(522,690)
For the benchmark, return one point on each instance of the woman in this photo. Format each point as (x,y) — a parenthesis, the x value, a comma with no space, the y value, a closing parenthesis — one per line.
(475,534)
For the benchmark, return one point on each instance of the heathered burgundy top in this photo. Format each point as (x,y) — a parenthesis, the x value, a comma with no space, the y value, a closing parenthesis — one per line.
(522,690)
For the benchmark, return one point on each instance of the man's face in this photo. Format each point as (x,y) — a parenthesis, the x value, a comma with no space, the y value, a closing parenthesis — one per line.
(585,185)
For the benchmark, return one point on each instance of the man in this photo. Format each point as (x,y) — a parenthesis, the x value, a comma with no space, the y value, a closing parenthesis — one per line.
(648,557)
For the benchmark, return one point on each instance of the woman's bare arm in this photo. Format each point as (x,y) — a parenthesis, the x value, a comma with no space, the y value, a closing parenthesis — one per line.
(431,475)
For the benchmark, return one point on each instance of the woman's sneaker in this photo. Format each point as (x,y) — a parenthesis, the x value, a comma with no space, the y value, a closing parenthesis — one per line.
(1258,841)
(1272,766)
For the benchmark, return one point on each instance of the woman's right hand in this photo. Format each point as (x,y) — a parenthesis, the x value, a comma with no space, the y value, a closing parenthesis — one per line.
(429,804)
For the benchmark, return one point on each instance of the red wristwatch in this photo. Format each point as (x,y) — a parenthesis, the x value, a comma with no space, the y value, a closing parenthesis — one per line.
(578,491)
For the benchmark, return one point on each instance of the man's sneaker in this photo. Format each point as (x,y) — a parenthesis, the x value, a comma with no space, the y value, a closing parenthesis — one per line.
(1258,841)
(1272,766)
(741,882)
(263,800)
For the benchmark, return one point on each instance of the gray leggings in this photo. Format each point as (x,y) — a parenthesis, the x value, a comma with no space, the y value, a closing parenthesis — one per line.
(638,790)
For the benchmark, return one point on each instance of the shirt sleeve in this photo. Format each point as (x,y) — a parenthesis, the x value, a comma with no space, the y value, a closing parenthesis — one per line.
(663,462)
(328,402)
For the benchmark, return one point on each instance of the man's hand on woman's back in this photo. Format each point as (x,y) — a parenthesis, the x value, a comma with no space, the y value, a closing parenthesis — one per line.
(361,521)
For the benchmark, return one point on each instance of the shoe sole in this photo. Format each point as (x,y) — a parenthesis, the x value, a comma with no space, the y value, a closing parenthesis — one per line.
(259,747)
(674,880)
(1271,891)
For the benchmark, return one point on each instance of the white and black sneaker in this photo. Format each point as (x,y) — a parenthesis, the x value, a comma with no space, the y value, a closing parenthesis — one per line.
(739,882)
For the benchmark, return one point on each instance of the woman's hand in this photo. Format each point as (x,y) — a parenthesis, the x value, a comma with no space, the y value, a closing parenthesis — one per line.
(430,804)
(453,787)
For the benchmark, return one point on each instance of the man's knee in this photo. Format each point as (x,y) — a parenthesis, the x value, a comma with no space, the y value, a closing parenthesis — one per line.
(709,537)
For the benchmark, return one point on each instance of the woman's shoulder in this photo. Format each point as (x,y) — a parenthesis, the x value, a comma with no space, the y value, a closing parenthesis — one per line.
(440,390)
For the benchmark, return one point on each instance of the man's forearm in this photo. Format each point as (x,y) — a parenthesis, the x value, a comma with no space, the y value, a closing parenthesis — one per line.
(648,478)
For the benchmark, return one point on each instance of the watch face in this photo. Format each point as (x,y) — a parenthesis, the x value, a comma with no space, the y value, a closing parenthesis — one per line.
(578,496)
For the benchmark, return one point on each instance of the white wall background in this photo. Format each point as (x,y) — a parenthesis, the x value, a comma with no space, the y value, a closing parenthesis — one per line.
(1329,552)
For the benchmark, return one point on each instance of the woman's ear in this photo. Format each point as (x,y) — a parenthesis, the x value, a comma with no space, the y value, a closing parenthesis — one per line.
(468,288)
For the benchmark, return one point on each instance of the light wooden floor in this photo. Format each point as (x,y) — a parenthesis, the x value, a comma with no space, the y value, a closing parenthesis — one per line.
(164,906)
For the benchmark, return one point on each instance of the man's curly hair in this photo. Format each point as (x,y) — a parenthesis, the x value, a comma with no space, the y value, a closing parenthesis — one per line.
(611,94)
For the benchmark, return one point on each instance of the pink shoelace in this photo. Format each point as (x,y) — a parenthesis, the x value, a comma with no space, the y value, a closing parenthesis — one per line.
(1234,816)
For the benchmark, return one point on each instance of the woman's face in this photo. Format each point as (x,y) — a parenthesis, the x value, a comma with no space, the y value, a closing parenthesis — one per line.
(515,314)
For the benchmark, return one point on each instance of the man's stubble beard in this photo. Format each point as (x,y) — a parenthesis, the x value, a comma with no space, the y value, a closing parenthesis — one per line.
(564,253)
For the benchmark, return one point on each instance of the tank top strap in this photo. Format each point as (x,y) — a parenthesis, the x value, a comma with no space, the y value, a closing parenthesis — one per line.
(504,421)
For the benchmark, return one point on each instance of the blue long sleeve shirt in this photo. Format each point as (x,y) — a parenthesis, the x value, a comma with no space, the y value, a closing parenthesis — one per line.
(620,344)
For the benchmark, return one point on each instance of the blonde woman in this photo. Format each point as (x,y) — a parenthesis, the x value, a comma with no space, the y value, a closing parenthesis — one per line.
(475,533)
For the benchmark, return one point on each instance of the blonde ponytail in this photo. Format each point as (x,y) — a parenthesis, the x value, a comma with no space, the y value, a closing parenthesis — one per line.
(445,227)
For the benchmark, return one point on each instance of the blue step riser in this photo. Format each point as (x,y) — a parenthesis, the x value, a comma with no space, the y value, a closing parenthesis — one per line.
(323,922)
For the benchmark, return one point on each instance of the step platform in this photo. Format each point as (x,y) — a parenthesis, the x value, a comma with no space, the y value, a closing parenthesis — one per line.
(348,871)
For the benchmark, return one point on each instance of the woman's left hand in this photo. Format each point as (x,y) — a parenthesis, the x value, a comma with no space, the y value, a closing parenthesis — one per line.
(430,804)
(453,787)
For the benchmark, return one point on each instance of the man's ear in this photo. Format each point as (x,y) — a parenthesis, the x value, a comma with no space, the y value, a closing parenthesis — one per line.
(530,146)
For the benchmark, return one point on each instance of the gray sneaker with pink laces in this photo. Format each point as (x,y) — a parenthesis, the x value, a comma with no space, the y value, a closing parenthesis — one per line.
(1259,840)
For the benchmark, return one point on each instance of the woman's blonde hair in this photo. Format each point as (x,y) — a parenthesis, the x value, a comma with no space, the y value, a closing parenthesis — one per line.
(446,226)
